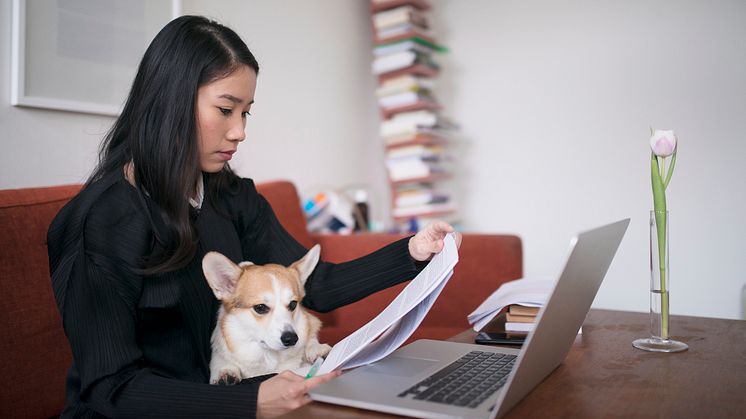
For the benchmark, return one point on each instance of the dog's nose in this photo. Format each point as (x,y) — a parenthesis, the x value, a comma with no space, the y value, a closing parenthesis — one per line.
(289,338)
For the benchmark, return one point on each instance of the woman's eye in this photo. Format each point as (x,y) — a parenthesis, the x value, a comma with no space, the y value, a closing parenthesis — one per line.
(245,114)
(292,305)
(225,111)
(261,309)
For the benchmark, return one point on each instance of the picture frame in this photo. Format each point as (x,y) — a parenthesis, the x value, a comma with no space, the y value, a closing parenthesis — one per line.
(81,55)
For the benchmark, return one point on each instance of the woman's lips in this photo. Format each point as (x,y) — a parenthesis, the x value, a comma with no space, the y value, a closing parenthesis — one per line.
(226,155)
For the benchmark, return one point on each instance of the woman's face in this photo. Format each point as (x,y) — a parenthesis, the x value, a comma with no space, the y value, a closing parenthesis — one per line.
(222,108)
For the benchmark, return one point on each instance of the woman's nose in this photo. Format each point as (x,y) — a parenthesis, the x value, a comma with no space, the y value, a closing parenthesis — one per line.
(237,132)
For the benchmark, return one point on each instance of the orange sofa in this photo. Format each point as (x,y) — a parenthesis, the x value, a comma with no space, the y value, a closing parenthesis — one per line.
(33,348)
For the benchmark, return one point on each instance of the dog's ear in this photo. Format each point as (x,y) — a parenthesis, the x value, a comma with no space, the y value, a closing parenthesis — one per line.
(221,273)
(307,263)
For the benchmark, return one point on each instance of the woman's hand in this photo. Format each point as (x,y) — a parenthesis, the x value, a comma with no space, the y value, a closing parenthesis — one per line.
(286,391)
(430,240)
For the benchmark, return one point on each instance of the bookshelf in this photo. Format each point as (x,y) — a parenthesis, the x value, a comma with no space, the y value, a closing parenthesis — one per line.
(414,133)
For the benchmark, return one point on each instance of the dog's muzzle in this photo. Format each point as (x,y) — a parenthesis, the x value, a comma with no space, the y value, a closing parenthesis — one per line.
(289,338)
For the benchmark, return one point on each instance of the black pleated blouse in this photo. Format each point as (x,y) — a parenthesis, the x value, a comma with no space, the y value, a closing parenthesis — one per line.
(141,345)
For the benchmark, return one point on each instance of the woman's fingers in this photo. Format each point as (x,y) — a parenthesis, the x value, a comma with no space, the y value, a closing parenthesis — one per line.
(430,240)
(320,379)
(286,391)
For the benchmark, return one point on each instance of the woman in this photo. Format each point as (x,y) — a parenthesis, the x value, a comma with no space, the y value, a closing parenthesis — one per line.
(125,254)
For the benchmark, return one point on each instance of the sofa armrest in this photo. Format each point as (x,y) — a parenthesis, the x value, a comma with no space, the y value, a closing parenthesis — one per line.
(338,248)
(485,262)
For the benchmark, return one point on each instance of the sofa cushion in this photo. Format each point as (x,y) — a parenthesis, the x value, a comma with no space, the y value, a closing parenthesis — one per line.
(283,197)
(33,347)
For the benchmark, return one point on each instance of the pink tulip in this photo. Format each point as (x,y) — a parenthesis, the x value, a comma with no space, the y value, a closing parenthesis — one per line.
(663,142)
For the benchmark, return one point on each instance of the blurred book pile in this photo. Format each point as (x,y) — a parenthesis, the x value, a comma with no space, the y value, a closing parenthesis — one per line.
(520,318)
(414,133)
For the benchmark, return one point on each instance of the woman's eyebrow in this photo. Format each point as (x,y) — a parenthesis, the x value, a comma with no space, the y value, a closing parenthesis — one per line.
(233,98)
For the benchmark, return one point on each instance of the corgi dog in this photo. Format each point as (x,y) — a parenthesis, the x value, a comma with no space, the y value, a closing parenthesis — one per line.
(262,328)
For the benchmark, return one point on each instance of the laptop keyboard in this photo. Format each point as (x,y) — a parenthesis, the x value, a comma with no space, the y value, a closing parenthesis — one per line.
(468,381)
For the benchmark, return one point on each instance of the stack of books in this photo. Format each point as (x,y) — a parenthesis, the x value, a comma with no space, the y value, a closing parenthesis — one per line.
(397,20)
(526,295)
(414,132)
(404,93)
(520,300)
(520,318)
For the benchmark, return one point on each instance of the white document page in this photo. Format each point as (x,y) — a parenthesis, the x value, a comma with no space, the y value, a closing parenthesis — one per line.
(399,319)
(527,292)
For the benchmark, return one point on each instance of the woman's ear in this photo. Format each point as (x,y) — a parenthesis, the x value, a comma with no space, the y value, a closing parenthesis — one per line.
(307,263)
(221,273)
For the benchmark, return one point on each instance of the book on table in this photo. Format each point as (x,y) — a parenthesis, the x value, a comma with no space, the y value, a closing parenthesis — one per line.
(521,310)
(521,301)
(529,292)
(519,327)
(519,318)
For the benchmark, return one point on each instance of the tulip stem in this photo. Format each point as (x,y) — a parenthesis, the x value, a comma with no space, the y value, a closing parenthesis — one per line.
(659,206)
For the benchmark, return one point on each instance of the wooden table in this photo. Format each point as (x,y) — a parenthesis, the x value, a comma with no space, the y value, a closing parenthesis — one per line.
(604,376)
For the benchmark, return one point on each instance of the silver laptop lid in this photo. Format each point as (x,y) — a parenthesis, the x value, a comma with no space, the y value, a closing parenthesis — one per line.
(558,321)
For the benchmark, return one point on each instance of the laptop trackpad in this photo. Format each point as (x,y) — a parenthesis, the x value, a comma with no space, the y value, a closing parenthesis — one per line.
(400,366)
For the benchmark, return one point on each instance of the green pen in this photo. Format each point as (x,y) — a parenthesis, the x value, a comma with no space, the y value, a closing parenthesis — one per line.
(314,367)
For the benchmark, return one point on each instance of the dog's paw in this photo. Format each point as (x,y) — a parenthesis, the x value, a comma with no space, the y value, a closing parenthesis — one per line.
(226,378)
(315,351)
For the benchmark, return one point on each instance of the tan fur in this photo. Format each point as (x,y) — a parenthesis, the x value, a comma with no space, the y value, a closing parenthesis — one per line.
(256,280)
(226,336)
(247,343)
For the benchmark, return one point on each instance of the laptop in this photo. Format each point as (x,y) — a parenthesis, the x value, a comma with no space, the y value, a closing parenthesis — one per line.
(440,379)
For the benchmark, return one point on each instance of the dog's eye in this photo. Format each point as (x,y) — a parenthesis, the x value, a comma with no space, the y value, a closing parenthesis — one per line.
(292,305)
(261,309)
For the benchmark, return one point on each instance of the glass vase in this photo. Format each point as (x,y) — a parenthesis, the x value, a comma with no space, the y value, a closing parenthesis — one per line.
(660,289)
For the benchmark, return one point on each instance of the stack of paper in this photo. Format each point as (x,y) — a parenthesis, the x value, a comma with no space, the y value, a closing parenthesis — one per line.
(393,326)
(524,291)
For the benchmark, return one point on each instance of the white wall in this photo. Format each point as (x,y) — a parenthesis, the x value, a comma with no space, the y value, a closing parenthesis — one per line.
(555,101)
(40,147)
(315,118)
(314,121)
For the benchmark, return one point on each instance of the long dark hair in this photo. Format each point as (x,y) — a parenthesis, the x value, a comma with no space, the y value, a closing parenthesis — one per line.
(157,129)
